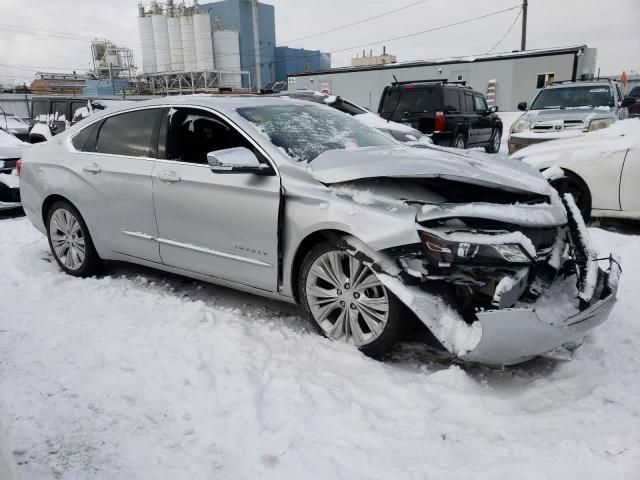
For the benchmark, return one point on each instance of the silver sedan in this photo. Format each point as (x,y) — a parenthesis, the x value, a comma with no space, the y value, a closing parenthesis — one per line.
(297,201)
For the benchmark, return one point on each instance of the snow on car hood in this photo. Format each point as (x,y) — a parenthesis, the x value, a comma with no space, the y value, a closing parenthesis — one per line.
(336,166)
(620,136)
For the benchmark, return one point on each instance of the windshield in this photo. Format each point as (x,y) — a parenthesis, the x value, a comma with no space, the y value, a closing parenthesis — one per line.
(306,131)
(412,100)
(568,97)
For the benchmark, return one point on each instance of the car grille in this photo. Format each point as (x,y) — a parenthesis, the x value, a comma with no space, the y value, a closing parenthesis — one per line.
(557,126)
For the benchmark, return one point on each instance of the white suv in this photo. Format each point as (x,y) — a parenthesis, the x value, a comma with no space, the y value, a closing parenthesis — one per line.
(568,109)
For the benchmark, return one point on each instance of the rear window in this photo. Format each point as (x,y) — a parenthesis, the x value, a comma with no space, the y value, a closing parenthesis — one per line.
(85,140)
(129,134)
(40,107)
(411,99)
(635,92)
(451,100)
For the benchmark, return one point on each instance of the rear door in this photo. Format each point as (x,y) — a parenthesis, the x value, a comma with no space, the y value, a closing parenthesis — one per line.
(59,116)
(482,119)
(222,225)
(470,117)
(113,163)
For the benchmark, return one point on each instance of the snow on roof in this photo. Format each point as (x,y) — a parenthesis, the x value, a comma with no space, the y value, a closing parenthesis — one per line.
(447,60)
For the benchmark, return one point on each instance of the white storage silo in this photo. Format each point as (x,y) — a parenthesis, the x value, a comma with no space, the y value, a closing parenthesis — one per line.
(188,43)
(175,44)
(226,45)
(203,40)
(161,41)
(147,46)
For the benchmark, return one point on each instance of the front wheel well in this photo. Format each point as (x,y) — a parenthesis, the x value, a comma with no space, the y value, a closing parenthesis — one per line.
(305,246)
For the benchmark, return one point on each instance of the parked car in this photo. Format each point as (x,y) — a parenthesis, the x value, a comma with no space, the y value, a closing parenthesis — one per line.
(634,108)
(53,115)
(14,125)
(452,113)
(298,201)
(568,109)
(11,150)
(399,131)
(601,169)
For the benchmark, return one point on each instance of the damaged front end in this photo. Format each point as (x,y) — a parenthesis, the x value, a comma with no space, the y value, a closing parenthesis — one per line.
(499,284)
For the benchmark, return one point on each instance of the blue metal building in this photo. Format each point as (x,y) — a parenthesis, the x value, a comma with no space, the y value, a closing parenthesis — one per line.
(297,60)
(236,14)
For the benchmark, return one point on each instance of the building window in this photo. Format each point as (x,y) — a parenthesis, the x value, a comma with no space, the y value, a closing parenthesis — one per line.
(545,79)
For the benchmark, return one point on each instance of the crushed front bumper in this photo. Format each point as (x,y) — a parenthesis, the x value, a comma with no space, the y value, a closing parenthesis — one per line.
(513,335)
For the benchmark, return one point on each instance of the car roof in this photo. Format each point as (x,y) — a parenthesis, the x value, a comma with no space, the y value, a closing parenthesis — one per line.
(225,103)
(579,84)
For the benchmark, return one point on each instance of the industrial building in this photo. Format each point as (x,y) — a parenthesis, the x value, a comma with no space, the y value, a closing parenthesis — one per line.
(58,83)
(228,44)
(291,60)
(113,69)
(507,78)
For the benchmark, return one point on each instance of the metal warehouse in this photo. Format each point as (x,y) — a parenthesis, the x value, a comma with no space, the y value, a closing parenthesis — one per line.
(506,78)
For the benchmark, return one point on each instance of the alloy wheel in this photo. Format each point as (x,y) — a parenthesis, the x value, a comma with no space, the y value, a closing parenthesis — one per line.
(67,239)
(346,299)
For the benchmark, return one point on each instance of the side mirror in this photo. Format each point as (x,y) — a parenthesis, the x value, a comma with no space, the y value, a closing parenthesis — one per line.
(236,160)
(493,109)
(522,106)
(627,102)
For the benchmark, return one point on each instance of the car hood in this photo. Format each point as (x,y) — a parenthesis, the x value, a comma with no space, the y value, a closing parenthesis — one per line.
(584,115)
(337,166)
(622,135)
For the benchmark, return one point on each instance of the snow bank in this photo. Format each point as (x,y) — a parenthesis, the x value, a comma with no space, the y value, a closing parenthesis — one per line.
(138,375)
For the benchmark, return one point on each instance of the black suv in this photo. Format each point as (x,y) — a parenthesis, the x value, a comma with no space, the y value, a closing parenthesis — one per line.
(452,113)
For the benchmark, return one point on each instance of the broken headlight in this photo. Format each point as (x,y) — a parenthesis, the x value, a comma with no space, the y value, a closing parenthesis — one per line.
(443,253)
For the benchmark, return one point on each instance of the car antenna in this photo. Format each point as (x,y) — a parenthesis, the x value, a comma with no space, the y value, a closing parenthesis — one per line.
(398,102)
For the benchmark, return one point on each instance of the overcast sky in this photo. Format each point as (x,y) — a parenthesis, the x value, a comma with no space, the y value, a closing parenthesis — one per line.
(609,25)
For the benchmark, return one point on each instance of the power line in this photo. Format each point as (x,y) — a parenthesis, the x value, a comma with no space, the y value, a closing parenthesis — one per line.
(358,22)
(507,32)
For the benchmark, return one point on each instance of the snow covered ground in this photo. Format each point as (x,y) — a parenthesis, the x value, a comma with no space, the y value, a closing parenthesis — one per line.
(141,375)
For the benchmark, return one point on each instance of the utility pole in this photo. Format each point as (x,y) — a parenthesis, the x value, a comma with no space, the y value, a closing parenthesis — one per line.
(523,39)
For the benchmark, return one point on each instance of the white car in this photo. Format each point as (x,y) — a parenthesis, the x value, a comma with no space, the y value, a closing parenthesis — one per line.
(11,150)
(601,169)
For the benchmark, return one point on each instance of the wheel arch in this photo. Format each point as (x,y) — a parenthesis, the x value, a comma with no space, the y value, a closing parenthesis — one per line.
(50,200)
(571,174)
(304,247)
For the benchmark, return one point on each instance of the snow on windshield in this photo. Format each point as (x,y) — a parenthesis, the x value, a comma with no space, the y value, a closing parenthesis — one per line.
(306,131)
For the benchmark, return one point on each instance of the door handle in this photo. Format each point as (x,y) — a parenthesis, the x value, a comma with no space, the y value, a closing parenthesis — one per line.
(168,176)
(93,168)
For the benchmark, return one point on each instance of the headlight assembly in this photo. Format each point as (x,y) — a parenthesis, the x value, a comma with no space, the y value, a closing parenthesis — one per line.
(443,253)
(520,126)
(599,124)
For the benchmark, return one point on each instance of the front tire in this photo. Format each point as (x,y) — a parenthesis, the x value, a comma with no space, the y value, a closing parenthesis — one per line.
(578,189)
(70,241)
(345,301)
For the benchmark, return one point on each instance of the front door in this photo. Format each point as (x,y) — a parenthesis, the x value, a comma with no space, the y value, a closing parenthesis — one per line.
(113,164)
(222,225)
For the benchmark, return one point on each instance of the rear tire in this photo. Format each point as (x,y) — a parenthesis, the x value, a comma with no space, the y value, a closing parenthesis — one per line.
(346,302)
(494,146)
(70,242)
(460,141)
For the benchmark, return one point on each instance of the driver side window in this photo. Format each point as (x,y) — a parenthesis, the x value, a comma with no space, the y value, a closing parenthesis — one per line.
(192,133)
